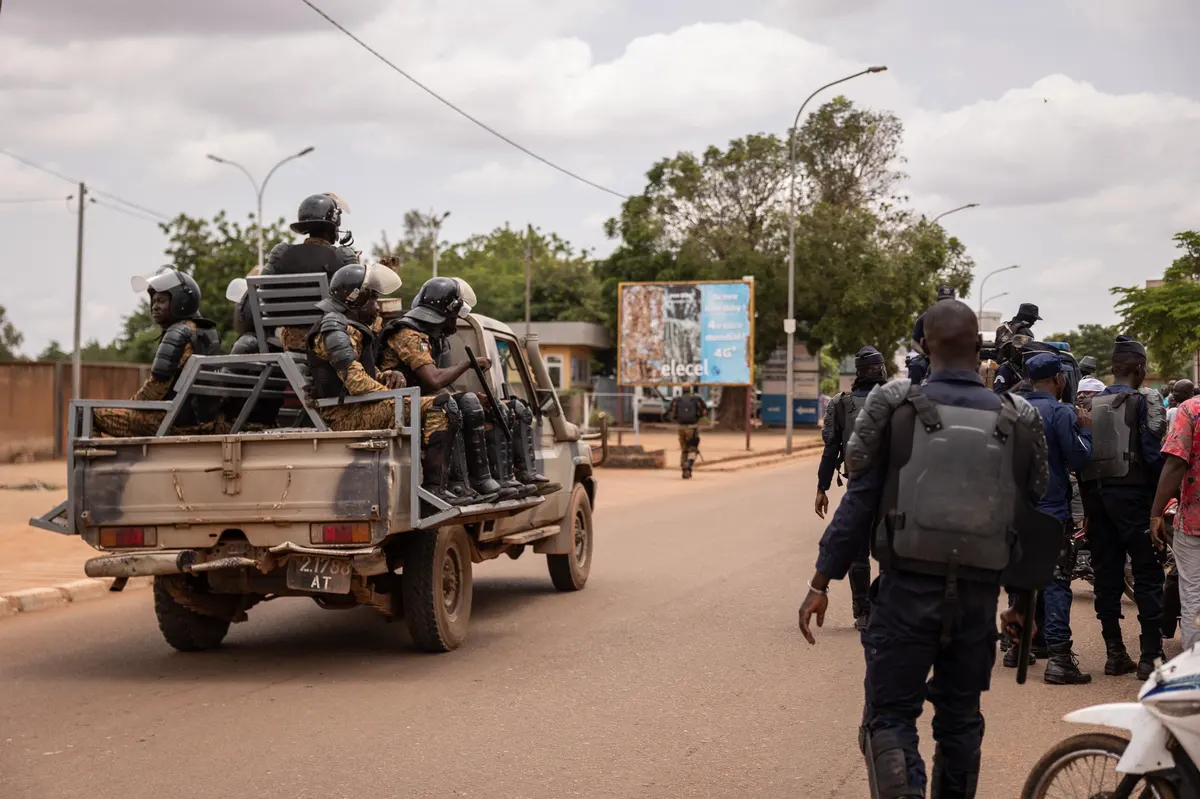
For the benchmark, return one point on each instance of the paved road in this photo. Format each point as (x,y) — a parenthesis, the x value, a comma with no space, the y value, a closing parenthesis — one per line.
(678,672)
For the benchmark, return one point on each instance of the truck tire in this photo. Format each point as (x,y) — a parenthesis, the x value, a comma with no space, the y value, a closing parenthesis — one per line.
(183,628)
(570,572)
(436,588)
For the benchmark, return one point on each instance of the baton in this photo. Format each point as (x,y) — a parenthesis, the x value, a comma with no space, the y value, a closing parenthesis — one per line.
(1028,607)
(501,420)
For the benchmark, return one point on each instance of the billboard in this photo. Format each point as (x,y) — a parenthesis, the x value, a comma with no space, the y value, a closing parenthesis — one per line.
(688,332)
(806,387)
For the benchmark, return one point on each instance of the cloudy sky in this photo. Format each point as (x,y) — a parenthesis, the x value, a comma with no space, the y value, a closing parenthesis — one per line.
(1073,122)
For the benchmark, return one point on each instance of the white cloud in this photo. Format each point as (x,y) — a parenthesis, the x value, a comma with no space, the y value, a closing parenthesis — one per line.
(495,178)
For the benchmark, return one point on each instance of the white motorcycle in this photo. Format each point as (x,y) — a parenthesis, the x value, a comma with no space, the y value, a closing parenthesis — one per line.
(1158,760)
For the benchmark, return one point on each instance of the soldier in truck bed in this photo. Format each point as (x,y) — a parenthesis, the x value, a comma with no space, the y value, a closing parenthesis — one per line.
(480,466)
(175,307)
(319,218)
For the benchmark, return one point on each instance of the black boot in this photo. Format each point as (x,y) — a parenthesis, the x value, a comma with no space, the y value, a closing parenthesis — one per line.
(1118,661)
(502,465)
(525,451)
(435,466)
(478,466)
(459,481)
(941,781)
(1151,642)
(1010,657)
(1063,667)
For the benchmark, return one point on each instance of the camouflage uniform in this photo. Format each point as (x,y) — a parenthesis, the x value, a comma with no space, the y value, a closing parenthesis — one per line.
(130,423)
(412,349)
(378,415)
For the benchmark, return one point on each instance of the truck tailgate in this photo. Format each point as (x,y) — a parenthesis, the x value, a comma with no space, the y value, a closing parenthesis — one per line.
(293,477)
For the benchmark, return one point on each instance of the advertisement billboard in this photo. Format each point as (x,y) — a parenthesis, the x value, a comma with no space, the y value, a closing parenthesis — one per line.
(686,332)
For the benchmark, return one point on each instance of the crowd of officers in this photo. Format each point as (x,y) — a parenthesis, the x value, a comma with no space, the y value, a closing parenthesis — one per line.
(955,472)
(473,450)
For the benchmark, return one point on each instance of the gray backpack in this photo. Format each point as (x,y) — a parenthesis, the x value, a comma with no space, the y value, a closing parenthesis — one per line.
(954,496)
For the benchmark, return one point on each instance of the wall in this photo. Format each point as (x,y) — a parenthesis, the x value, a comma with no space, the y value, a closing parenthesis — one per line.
(34,397)
(567,352)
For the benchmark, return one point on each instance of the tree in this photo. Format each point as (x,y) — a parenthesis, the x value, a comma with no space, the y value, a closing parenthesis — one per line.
(864,269)
(53,352)
(10,338)
(1093,340)
(1166,318)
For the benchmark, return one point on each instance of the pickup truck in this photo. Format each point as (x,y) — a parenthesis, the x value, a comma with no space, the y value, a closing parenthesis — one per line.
(223,522)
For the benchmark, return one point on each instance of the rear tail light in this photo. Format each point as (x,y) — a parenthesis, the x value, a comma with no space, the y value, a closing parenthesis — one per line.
(341,533)
(121,537)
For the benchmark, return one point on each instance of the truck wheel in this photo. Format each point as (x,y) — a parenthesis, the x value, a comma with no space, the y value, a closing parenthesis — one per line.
(184,628)
(570,572)
(436,589)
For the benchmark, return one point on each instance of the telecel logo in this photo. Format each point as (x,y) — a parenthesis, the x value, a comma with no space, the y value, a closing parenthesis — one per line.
(676,369)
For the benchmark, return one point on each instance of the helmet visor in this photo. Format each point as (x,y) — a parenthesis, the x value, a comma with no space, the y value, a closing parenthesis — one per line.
(164,280)
(466,292)
(381,279)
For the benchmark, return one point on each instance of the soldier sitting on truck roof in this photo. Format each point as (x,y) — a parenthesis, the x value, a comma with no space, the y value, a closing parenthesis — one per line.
(175,307)
(415,345)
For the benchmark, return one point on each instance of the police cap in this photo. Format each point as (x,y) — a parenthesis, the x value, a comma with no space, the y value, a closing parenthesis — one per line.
(1127,344)
(1028,311)
(1045,365)
(946,293)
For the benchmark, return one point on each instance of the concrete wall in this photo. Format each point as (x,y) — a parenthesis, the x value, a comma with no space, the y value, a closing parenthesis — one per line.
(566,353)
(34,397)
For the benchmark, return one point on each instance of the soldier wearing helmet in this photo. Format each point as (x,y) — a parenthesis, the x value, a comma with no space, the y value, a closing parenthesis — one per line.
(341,348)
(175,307)
(324,249)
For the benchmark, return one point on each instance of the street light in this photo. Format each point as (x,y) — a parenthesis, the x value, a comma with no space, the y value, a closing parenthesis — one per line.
(955,210)
(994,297)
(789,324)
(437,232)
(259,189)
(985,280)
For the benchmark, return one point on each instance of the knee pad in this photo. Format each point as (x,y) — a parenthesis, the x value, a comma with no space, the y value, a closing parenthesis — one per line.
(521,410)
(887,767)
(451,409)
(472,409)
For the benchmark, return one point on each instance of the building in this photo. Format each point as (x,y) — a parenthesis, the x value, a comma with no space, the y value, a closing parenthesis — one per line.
(567,348)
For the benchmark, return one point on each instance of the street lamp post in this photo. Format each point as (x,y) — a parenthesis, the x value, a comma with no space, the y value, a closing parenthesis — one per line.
(994,297)
(437,234)
(259,189)
(954,211)
(983,282)
(789,324)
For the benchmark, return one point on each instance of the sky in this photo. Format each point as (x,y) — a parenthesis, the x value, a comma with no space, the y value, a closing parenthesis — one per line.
(1073,123)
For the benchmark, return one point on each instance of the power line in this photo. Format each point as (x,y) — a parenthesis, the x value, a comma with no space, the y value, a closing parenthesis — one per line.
(22,200)
(54,173)
(458,110)
(126,211)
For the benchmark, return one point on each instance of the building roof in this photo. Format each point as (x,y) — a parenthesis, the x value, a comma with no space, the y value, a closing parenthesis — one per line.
(577,334)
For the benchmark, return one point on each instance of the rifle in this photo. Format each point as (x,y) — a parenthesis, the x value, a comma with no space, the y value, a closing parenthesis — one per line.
(1027,606)
(498,412)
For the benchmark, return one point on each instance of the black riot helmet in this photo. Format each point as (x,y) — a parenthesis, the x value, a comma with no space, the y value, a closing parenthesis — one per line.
(320,215)
(355,285)
(184,292)
(868,364)
(441,299)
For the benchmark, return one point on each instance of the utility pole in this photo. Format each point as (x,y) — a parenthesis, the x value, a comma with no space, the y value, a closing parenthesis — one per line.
(528,275)
(76,362)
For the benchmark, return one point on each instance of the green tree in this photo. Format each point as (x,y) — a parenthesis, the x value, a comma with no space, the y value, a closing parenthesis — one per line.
(10,338)
(54,352)
(1166,318)
(1093,340)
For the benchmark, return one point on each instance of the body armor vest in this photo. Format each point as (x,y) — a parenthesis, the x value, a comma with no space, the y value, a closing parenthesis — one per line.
(951,495)
(439,348)
(204,340)
(301,259)
(326,383)
(1116,441)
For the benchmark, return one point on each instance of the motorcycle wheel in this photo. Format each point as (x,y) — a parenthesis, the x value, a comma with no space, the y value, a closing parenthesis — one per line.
(1094,756)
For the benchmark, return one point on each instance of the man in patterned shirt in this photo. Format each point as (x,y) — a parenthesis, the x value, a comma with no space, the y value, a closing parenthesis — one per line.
(1181,452)
(175,307)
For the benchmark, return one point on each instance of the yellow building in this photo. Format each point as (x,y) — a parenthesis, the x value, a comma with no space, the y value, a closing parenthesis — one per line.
(567,349)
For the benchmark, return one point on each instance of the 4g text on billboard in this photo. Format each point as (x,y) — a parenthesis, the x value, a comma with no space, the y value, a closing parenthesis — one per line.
(685,332)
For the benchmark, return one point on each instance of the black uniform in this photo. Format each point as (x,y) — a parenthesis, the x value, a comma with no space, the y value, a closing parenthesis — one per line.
(922,618)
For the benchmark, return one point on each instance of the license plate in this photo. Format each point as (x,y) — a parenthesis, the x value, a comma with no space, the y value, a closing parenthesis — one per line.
(319,575)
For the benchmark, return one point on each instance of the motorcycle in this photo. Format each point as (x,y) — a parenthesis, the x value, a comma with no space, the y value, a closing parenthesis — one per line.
(1158,761)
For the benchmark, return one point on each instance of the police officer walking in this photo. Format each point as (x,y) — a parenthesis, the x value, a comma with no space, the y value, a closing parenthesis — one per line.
(1068,449)
(916,454)
(686,411)
(1118,491)
(918,365)
(840,414)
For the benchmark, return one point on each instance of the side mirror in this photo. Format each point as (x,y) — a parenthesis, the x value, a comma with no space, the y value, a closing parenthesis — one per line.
(547,403)
(237,289)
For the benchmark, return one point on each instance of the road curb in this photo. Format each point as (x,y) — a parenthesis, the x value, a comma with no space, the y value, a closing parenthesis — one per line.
(741,462)
(31,600)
